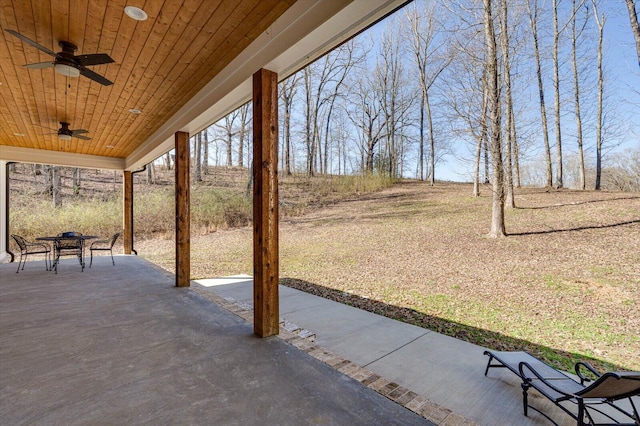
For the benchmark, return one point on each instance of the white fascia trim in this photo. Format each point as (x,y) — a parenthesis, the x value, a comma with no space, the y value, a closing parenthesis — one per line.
(307,30)
(39,156)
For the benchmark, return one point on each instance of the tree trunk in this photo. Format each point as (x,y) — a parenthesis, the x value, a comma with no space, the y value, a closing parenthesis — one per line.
(599,122)
(432,144)
(504,42)
(487,174)
(635,27)
(151,174)
(556,87)
(309,143)
(55,187)
(482,138)
(533,20)
(198,160)
(229,141)
(244,112)
(77,180)
(576,99)
(205,152)
(497,207)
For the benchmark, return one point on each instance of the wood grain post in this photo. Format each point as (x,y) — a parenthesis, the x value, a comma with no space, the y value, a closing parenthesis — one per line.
(183,213)
(127,211)
(265,204)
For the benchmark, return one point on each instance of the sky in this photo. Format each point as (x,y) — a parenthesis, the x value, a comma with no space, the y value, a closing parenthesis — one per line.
(622,83)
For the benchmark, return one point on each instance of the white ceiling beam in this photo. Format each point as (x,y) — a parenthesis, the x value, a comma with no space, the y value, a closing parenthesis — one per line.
(58,158)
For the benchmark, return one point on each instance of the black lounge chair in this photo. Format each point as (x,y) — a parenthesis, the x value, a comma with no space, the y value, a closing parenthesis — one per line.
(104,245)
(27,248)
(592,400)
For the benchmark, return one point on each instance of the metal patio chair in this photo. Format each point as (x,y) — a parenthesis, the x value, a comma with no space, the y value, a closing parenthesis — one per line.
(104,245)
(27,248)
(596,402)
(67,244)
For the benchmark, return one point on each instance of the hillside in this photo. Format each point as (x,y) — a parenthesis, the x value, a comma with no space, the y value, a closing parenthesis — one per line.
(565,283)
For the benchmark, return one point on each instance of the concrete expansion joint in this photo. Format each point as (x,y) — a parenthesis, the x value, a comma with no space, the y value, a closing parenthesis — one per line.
(398,348)
(305,340)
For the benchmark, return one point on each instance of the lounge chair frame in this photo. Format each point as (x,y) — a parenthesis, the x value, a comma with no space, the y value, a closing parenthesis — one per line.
(559,388)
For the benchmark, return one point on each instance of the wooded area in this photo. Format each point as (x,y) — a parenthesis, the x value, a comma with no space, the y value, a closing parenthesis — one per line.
(463,79)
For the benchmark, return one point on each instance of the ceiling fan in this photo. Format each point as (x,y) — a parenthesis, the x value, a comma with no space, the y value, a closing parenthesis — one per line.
(65,133)
(66,63)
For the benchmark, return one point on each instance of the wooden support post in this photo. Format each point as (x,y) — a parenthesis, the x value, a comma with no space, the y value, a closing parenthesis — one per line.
(183,213)
(127,211)
(265,204)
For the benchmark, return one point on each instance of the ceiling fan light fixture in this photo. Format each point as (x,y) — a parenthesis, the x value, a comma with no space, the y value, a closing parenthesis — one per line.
(64,137)
(67,70)
(136,13)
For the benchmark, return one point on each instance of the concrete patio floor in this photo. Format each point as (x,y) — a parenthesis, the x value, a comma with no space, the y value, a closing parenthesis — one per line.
(121,345)
(447,372)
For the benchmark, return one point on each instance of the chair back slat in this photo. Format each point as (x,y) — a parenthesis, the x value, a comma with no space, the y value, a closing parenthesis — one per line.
(113,239)
(22,243)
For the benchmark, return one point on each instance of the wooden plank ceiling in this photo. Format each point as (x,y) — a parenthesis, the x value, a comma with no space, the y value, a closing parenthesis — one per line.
(159,64)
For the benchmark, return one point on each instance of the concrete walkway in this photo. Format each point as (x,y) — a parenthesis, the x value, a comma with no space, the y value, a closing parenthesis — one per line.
(121,345)
(445,371)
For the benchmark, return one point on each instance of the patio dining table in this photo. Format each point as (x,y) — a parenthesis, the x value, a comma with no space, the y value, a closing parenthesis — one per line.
(56,240)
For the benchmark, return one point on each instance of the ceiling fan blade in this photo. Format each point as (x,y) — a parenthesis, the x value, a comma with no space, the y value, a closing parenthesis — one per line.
(40,65)
(95,76)
(33,43)
(84,138)
(94,59)
(79,131)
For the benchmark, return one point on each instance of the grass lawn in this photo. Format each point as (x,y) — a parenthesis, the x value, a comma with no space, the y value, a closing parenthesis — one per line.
(565,283)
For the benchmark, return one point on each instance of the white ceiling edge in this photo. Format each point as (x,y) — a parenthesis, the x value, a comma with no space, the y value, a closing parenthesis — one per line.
(306,31)
(59,158)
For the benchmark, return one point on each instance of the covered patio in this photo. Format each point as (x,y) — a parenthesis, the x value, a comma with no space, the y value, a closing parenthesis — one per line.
(122,345)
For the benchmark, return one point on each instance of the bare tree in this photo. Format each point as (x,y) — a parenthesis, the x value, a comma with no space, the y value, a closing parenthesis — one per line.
(77,180)
(245,123)
(575,33)
(56,184)
(497,209)
(391,85)
(533,20)
(430,61)
(287,91)
(556,87)
(600,21)
(635,27)
(322,81)
(198,156)
(509,116)
(167,160)
(365,114)
(205,152)
(151,174)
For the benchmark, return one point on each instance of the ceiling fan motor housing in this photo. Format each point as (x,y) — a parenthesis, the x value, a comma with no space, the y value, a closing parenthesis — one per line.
(64,130)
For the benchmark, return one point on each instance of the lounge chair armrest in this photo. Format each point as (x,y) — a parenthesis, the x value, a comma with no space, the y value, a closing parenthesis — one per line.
(589,367)
(524,366)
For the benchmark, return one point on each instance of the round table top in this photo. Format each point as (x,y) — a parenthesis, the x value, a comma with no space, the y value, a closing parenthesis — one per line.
(60,237)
